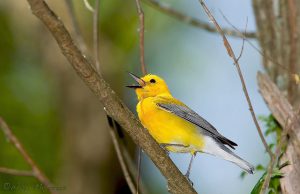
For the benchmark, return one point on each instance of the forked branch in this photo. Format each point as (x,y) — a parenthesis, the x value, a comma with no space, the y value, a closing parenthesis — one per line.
(35,170)
(237,65)
(166,9)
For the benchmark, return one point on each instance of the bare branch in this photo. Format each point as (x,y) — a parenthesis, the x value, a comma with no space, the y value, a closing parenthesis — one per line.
(166,9)
(273,161)
(88,5)
(75,27)
(138,169)
(237,65)
(282,111)
(95,35)
(142,36)
(15,172)
(37,173)
(293,34)
(121,158)
(253,46)
(113,106)
(144,71)
(243,44)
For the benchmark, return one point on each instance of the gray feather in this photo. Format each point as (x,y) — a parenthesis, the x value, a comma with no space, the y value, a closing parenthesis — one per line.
(191,116)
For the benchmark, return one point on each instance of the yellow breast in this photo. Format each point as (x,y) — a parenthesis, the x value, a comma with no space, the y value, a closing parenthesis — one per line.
(168,128)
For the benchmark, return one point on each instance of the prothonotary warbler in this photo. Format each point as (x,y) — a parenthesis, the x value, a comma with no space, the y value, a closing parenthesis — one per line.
(176,127)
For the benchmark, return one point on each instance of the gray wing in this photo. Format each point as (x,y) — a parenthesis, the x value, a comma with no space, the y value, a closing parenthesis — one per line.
(191,116)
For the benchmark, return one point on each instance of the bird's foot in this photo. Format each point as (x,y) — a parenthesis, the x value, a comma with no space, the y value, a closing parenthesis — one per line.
(187,177)
(164,147)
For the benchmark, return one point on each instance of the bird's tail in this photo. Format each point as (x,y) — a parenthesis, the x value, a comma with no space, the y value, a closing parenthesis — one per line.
(216,148)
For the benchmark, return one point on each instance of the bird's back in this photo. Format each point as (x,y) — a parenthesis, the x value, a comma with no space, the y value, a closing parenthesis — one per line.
(168,128)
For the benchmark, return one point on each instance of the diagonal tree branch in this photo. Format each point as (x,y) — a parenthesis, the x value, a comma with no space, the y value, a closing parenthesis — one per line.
(283,111)
(36,172)
(194,21)
(119,148)
(15,172)
(113,106)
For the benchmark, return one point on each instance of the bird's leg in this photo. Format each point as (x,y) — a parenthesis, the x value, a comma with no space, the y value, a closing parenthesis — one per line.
(163,146)
(187,175)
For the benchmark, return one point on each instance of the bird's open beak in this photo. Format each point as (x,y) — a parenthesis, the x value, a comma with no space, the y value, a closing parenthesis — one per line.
(141,83)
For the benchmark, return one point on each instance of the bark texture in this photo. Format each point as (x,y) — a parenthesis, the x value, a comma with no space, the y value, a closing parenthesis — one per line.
(278,26)
(113,106)
(283,112)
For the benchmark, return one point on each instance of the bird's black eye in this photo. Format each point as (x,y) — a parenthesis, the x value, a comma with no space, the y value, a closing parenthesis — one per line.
(152,81)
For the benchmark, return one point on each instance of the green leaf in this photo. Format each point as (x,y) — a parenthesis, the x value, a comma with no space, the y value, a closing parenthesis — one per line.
(243,174)
(260,167)
(271,145)
(274,182)
(284,164)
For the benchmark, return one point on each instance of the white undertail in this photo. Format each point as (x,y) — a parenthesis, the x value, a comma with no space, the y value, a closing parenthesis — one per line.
(218,149)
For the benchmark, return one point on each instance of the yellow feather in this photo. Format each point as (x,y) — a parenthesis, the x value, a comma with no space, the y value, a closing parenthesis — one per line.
(165,127)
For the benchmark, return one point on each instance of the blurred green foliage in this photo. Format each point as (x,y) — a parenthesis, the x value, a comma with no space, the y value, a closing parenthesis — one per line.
(274,186)
(28,105)
(272,127)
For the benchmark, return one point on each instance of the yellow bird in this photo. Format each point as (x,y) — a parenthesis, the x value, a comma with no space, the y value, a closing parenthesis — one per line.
(176,127)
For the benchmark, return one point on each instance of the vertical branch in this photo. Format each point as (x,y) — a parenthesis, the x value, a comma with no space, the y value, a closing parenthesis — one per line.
(120,156)
(237,65)
(293,34)
(142,36)
(37,173)
(95,34)
(76,30)
(144,71)
(139,169)
(274,159)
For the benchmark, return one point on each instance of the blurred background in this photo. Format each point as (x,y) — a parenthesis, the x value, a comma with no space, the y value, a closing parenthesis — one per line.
(64,128)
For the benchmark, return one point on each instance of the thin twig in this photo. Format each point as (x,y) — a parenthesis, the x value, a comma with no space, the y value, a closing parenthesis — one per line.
(76,30)
(142,36)
(243,44)
(113,106)
(95,35)
(37,173)
(122,161)
(116,144)
(271,165)
(144,71)
(88,5)
(293,34)
(237,65)
(16,172)
(254,47)
(282,110)
(293,76)
(166,9)
(274,159)
(138,169)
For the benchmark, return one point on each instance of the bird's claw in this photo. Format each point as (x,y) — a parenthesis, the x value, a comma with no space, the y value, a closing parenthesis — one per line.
(164,147)
(187,177)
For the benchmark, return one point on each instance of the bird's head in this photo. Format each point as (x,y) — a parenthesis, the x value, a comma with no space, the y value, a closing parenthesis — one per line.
(149,86)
